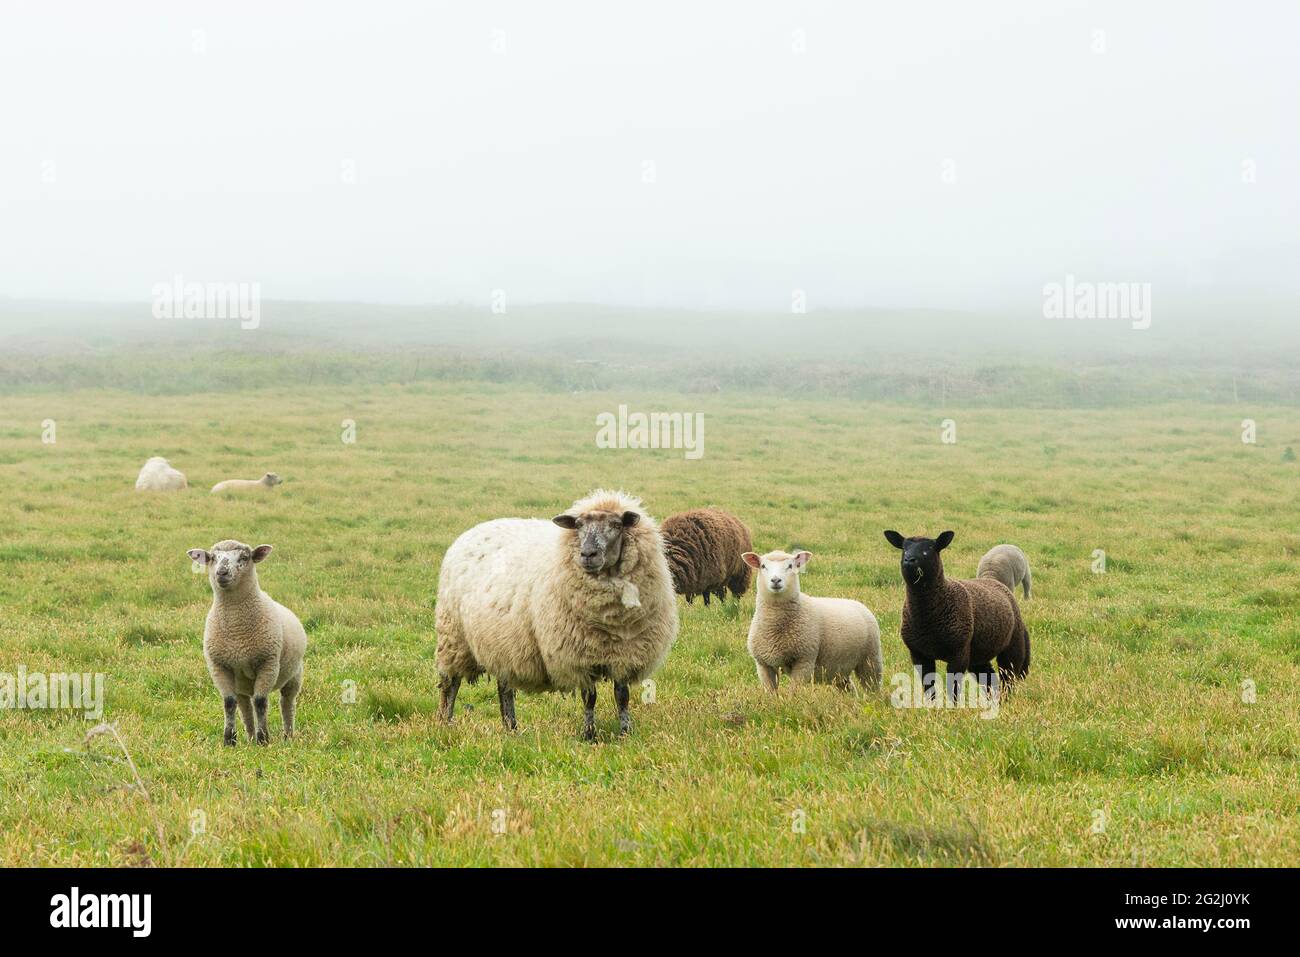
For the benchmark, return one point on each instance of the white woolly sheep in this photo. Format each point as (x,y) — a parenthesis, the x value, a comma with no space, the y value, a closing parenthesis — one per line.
(267,482)
(253,645)
(157,475)
(1007,564)
(557,605)
(823,639)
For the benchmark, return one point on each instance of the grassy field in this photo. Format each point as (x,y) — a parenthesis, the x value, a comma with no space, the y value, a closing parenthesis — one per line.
(1130,743)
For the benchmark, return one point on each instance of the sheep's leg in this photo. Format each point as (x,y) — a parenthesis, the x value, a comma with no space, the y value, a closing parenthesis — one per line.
(228,733)
(589,716)
(767,677)
(868,672)
(956,676)
(263,684)
(985,678)
(928,676)
(1013,663)
(224,679)
(447,703)
(289,705)
(690,598)
(621,697)
(506,698)
(706,596)
(246,712)
(801,672)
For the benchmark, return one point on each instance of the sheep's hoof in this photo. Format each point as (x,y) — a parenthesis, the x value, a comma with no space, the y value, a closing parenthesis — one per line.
(228,739)
(589,733)
(263,737)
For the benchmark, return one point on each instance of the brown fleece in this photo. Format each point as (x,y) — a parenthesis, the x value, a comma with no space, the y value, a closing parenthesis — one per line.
(966,624)
(704,547)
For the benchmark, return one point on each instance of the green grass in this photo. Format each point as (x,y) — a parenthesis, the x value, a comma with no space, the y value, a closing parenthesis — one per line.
(1133,708)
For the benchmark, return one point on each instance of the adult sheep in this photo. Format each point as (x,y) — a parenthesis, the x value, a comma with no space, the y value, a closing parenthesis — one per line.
(157,475)
(556,606)
(704,548)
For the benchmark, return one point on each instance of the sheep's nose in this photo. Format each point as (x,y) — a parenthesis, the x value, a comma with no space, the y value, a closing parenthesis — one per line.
(776,583)
(589,554)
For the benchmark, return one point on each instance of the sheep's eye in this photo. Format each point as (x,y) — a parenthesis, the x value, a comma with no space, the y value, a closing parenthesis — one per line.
(764,568)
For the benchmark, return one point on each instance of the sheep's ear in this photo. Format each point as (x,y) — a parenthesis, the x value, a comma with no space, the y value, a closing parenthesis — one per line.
(200,555)
(943,541)
(801,559)
(631,518)
(894,538)
(260,552)
(565,520)
(752,560)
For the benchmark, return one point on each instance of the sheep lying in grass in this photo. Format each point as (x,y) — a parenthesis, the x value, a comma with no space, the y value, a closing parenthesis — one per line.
(267,482)
(825,639)
(253,645)
(964,623)
(1007,564)
(157,475)
(704,547)
(557,605)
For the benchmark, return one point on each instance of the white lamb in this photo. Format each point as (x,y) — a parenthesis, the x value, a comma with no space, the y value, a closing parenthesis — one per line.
(267,482)
(823,639)
(557,605)
(253,645)
(158,476)
(1007,564)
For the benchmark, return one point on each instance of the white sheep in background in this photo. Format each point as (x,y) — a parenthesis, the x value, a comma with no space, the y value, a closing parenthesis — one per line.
(826,639)
(157,475)
(253,645)
(1007,564)
(557,605)
(267,482)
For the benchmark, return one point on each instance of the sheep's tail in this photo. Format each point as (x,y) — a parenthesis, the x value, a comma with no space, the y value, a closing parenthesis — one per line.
(1027,582)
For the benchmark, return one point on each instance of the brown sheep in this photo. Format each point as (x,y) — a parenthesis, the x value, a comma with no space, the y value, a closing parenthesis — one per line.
(964,623)
(704,548)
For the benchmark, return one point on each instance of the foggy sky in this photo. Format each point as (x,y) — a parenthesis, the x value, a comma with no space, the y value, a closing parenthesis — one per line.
(393,152)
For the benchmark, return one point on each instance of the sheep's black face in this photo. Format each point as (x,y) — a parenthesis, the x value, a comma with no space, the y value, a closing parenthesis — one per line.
(599,539)
(921,562)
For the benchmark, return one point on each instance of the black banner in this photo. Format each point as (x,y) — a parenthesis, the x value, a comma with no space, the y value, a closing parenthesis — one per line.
(345,905)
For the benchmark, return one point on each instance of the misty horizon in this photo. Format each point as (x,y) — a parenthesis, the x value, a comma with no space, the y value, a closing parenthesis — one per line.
(719,159)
